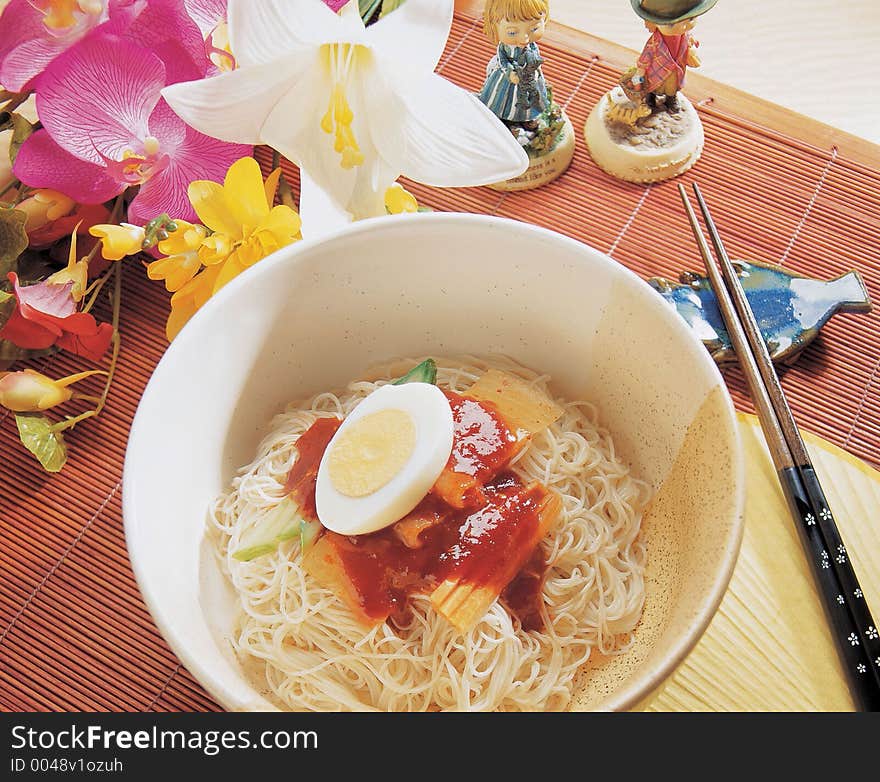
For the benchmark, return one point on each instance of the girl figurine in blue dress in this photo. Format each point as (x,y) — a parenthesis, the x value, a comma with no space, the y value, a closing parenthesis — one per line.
(515,89)
(517,93)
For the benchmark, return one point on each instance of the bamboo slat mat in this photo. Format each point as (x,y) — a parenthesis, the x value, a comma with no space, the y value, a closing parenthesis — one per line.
(74,633)
(770,635)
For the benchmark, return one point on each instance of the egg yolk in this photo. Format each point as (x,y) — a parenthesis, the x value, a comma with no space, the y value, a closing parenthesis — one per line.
(370,452)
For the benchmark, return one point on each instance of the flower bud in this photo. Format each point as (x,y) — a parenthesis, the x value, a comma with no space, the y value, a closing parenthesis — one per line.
(76,271)
(45,206)
(28,391)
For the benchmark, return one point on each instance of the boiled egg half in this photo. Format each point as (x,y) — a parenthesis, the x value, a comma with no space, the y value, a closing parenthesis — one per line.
(384,458)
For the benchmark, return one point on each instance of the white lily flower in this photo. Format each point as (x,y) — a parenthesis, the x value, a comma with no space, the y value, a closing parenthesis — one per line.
(354,107)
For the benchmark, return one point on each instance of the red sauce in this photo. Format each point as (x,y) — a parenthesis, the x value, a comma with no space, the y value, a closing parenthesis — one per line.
(303,475)
(478,537)
(482,444)
(383,572)
(491,536)
(472,546)
(524,595)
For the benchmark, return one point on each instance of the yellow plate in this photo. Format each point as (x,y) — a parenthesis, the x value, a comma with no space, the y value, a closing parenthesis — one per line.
(768,648)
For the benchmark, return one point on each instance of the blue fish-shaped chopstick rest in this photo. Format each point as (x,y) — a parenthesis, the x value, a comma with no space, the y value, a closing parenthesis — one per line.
(790,309)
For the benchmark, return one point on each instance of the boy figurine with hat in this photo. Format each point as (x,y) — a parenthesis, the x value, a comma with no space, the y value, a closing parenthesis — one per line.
(644,130)
(670,49)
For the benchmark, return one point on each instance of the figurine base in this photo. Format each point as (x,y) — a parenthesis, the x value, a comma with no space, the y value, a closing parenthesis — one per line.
(657,147)
(544,168)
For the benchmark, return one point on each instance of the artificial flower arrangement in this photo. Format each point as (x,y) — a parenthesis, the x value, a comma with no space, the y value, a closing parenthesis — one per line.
(130,127)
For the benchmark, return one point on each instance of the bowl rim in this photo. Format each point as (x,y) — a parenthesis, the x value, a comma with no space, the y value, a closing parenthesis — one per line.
(633,692)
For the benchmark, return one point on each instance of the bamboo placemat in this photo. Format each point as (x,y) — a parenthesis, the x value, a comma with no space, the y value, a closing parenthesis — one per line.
(74,633)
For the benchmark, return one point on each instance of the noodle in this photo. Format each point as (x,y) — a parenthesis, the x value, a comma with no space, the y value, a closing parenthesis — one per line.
(313,653)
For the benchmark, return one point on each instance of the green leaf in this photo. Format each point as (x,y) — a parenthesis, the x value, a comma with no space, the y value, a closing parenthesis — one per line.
(368,8)
(390,5)
(373,10)
(37,436)
(21,132)
(9,352)
(426,372)
(7,307)
(13,239)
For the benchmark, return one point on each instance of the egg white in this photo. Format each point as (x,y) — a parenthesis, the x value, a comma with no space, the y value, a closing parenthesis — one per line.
(429,410)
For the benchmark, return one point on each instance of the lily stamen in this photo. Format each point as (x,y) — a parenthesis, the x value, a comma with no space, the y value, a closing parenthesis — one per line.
(339,116)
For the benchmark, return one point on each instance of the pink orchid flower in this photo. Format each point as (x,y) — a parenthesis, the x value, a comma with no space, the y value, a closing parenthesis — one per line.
(210,16)
(33,33)
(207,14)
(106,128)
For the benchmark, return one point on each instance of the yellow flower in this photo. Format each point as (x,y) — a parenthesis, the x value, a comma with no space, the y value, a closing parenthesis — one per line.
(399,200)
(117,241)
(183,258)
(29,391)
(76,271)
(246,227)
(186,301)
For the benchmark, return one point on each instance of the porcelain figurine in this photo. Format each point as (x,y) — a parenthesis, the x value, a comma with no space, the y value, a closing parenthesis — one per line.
(518,94)
(790,309)
(645,129)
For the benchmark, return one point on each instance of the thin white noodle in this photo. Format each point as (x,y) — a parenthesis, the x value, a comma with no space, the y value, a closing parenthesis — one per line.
(313,655)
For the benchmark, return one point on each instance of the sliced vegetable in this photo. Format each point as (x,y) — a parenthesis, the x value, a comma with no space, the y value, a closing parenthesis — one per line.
(425,516)
(308,534)
(483,444)
(325,562)
(426,372)
(464,602)
(521,405)
(281,523)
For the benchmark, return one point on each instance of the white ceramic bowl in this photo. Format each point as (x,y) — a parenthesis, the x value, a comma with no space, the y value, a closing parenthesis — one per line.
(317,314)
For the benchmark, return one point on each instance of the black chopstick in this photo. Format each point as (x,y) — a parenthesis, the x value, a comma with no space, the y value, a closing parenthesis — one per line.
(844,604)
(868,634)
